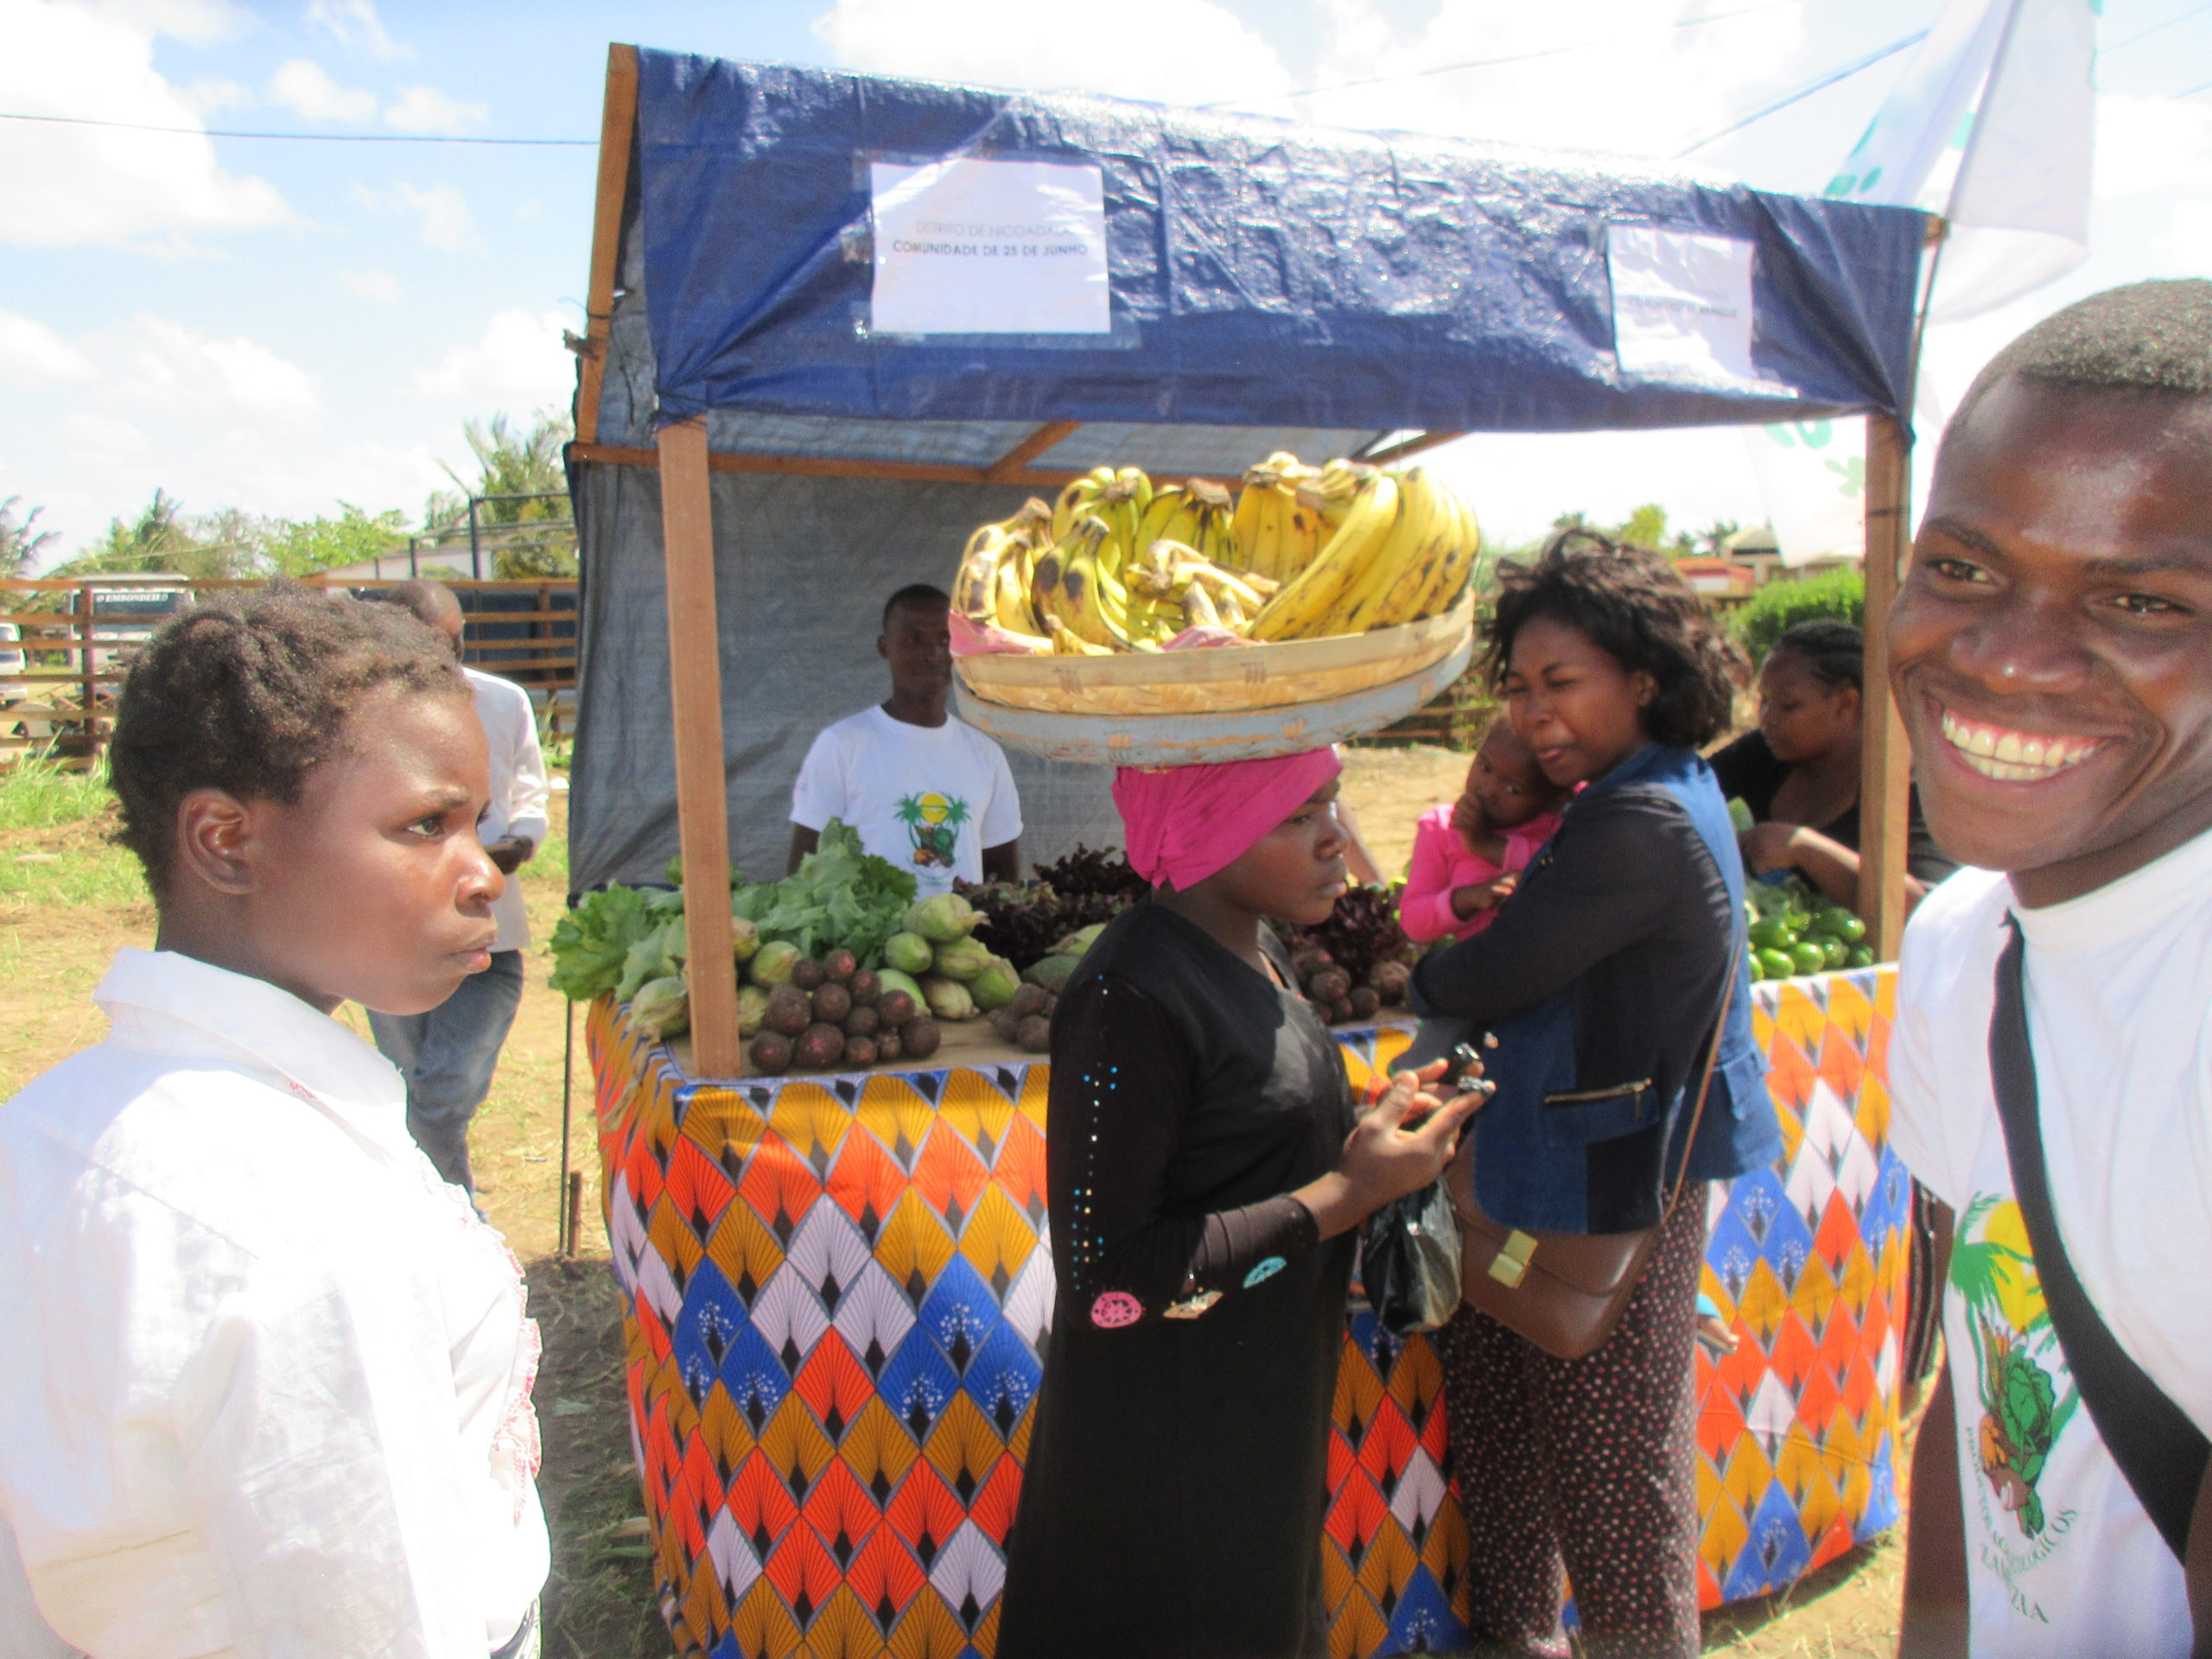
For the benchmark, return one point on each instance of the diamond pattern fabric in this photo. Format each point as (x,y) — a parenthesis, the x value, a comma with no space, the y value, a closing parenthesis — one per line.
(836,1289)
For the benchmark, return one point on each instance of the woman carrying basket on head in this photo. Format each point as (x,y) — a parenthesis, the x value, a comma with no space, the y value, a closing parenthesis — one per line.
(1601,981)
(1206,1168)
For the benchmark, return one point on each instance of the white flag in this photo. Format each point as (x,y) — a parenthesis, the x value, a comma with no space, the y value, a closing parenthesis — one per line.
(2020,211)
(1992,126)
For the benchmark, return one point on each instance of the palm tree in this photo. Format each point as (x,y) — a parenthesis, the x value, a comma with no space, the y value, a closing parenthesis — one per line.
(528,537)
(21,542)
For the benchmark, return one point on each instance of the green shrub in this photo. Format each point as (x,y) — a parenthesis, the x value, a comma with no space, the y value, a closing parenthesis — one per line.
(1781,605)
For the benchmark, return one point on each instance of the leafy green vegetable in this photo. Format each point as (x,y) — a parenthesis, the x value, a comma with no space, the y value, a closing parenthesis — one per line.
(839,897)
(591,942)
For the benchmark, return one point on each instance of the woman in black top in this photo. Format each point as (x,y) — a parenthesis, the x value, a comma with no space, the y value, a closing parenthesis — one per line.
(1205,1166)
(1799,771)
(1801,768)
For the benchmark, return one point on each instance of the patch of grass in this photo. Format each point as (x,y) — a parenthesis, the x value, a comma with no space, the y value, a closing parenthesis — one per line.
(600,1602)
(57,842)
(40,792)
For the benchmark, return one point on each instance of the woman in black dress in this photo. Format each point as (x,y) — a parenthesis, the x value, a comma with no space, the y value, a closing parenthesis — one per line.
(1206,1168)
(1799,771)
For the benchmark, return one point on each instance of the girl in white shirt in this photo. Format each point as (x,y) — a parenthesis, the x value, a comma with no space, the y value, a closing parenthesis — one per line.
(265,1379)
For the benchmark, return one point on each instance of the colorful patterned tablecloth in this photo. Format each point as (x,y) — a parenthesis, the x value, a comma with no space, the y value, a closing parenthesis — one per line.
(837,1288)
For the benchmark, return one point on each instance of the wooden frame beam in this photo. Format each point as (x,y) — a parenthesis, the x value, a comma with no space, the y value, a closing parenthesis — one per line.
(917,472)
(695,725)
(618,122)
(1885,775)
(1016,459)
(1408,447)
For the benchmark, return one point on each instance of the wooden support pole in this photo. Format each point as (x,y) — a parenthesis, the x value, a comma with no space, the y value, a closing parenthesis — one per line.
(696,720)
(618,117)
(1885,775)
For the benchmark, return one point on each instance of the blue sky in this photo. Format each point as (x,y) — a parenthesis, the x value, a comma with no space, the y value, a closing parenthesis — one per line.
(276,327)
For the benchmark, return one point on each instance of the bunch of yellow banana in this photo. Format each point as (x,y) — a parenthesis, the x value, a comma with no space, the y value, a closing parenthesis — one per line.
(992,586)
(1273,531)
(1402,551)
(1118,564)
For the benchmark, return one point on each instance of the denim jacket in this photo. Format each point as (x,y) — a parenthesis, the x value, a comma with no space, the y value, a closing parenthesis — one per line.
(1599,978)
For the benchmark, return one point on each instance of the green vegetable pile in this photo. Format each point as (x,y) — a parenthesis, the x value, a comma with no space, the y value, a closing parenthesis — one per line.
(839,899)
(625,941)
(1795,930)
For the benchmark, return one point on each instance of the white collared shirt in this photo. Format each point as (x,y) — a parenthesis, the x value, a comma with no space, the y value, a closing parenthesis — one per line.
(265,1378)
(519,789)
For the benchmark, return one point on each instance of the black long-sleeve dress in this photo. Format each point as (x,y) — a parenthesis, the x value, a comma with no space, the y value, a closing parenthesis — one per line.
(1177,1476)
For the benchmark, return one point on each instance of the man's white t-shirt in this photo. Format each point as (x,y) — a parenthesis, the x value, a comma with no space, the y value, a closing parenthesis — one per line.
(929,798)
(519,789)
(2060,1559)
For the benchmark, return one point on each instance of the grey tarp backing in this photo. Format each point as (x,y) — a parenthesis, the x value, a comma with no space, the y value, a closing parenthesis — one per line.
(802,567)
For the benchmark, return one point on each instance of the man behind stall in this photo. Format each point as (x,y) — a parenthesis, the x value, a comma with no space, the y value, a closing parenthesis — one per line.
(924,790)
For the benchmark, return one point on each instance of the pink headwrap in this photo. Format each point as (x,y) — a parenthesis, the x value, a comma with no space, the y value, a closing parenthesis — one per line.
(1186,822)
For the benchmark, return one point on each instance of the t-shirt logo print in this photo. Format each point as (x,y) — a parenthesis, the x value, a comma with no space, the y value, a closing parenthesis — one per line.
(933,823)
(2016,1354)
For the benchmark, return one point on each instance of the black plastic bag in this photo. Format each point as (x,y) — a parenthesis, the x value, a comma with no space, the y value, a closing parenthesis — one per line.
(1409,1260)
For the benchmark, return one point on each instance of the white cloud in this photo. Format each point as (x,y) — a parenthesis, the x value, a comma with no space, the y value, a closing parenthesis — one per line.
(355,26)
(198,22)
(517,365)
(441,211)
(305,87)
(1194,51)
(425,109)
(379,285)
(211,96)
(63,186)
(2192,235)
(163,367)
(32,354)
(2146,146)
(1625,87)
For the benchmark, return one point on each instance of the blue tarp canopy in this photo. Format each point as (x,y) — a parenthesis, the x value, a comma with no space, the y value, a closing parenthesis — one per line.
(1263,275)
(1269,287)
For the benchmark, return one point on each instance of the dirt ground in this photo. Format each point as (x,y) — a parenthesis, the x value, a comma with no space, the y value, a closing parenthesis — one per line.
(68,901)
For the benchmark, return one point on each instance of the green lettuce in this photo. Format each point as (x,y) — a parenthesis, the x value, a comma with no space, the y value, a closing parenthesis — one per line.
(590,942)
(839,897)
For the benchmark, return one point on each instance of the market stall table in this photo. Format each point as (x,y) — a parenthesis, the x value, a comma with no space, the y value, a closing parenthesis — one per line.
(836,1287)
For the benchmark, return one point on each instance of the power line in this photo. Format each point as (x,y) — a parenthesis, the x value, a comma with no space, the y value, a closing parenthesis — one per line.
(1491,63)
(1808,90)
(290,138)
(2144,35)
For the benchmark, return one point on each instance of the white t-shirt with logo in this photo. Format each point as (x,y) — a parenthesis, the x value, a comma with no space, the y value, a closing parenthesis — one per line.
(2060,1559)
(929,798)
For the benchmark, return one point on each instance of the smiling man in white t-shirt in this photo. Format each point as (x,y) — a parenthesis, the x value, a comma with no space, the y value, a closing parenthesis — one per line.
(924,789)
(2051,652)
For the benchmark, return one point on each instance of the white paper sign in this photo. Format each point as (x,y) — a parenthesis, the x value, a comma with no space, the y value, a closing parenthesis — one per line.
(976,247)
(1682,308)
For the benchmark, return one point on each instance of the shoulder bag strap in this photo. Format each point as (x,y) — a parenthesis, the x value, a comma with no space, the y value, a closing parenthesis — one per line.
(1736,943)
(2160,1451)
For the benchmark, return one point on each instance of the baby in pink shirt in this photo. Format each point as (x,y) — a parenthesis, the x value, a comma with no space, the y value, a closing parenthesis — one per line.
(1466,856)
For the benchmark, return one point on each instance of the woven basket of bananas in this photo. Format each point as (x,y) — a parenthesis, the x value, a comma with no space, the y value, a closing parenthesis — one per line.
(1128,599)
(1180,740)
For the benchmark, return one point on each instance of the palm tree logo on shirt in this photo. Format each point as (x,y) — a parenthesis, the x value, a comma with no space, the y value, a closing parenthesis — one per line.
(2021,1412)
(933,823)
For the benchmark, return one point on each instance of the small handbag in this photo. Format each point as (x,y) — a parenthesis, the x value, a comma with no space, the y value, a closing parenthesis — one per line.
(1565,1292)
